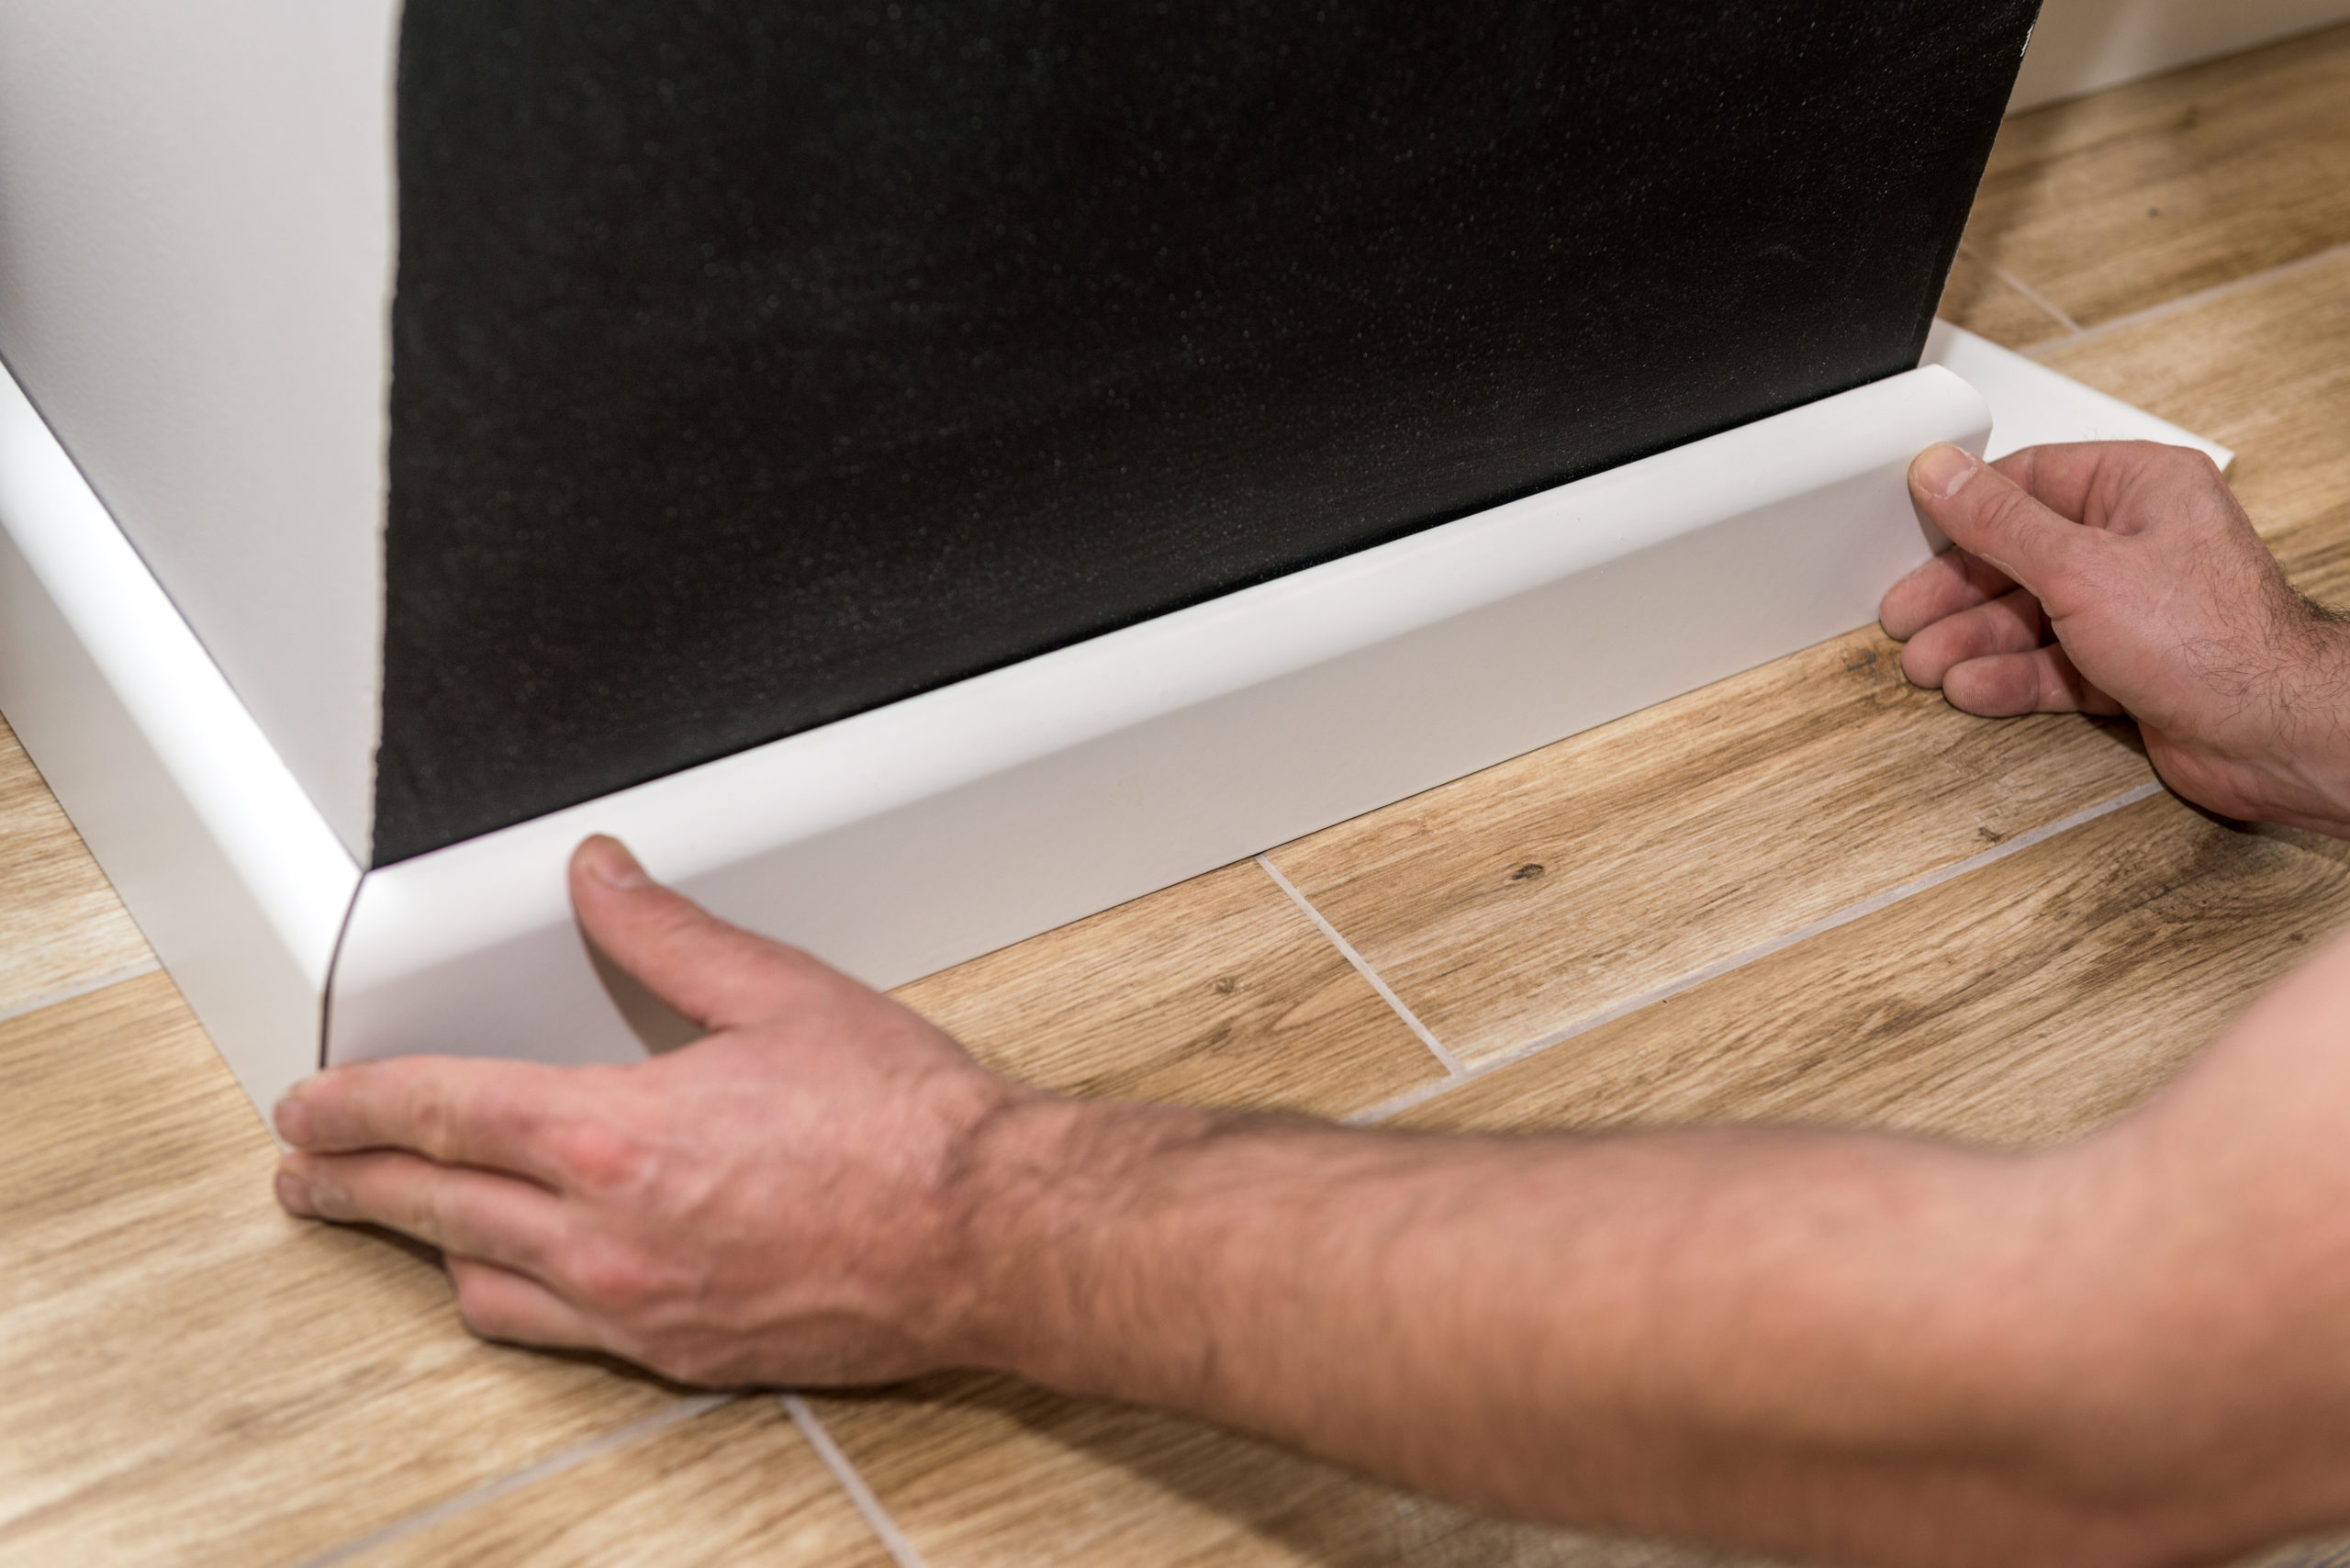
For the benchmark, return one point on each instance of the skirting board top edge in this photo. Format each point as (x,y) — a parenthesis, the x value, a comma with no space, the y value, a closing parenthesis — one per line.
(486,890)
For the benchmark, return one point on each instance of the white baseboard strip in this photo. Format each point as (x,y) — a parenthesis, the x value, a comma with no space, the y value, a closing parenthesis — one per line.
(232,873)
(902,840)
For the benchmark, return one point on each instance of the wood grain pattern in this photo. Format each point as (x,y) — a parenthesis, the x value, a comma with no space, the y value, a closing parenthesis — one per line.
(1218,991)
(1550,888)
(2264,368)
(738,1484)
(60,924)
(980,1471)
(2116,202)
(1976,297)
(193,1377)
(2025,1003)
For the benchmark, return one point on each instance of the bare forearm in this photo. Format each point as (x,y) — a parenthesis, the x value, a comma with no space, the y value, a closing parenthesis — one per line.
(1717,1334)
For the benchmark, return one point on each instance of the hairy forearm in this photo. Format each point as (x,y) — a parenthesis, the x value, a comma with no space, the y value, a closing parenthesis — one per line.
(1829,1344)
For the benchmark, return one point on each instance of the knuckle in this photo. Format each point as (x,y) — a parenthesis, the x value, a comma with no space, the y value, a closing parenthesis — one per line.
(433,1113)
(598,1157)
(422,1217)
(476,1303)
(614,1279)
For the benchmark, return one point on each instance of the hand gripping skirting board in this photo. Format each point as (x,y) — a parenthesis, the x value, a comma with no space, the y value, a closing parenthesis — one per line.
(902,840)
(920,477)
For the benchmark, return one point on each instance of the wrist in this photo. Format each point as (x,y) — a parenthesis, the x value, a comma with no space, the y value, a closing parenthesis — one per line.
(1040,1188)
(2317,755)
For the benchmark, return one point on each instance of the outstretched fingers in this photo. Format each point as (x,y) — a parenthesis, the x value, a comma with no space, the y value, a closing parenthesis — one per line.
(455,1110)
(716,974)
(474,1214)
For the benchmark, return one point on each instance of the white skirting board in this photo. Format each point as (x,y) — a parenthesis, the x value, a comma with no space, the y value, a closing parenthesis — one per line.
(232,874)
(905,839)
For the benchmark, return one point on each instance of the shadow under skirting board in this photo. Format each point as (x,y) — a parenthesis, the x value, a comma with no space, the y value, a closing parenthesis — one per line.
(916,835)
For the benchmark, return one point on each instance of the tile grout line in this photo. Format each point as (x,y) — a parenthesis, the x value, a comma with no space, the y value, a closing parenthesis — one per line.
(2190,301)
(579,1454)
(1450,1063)
(112,977)
(877,1517)
(1422,1093)
(2033,294)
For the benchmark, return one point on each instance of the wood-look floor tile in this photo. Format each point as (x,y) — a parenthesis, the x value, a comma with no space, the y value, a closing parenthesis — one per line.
(2316,555)
(60,924)
(2264,368)
(2117,202)
(195,1378)
(1551,889)
(2024,1002)
(1977,298)
(1218,991)
(738,1484)
(981,1470)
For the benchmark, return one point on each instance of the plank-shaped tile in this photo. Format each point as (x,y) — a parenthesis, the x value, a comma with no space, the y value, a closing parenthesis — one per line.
(1549,890)
(2264,368)
(61,926)
(2333,1552)
(1218,991)
(738,1484)
(2316,555)
(979,1472)
(1976,297)
(2122,200)
(2024,1002)
(193,1377)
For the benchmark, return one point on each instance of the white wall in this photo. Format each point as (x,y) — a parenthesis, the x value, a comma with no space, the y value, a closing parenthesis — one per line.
(195,254)
(2083,45)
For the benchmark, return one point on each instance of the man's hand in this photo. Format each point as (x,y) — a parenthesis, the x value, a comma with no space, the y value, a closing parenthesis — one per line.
(2123,577)
(776,1202)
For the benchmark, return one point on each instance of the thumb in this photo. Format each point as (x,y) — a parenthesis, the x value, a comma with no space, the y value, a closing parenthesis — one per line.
(1993,519)
(715,974)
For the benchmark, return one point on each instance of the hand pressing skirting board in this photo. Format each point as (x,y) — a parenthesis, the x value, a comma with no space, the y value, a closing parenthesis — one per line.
(918,834)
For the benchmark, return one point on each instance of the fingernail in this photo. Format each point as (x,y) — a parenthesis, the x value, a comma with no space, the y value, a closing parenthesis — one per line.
(293,1119)
(1940,470)
(609,861)
(293,1196)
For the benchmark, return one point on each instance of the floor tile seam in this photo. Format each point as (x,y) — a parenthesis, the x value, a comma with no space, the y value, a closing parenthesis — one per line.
(852,1480)
(2042,301)
(1885,899)
(676,1413)
(79,989)
(2187,302)
(1452,1064)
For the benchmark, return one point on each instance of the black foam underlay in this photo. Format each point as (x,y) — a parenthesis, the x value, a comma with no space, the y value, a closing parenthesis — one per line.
(757,363)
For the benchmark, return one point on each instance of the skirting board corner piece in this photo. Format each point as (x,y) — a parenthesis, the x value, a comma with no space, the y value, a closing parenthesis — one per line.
(233,876)
(910,837)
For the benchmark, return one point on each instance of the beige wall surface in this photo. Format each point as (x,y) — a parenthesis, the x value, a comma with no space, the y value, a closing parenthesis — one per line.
(2083,45)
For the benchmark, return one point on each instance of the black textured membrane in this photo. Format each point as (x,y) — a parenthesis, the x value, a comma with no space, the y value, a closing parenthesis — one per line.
(755,364)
